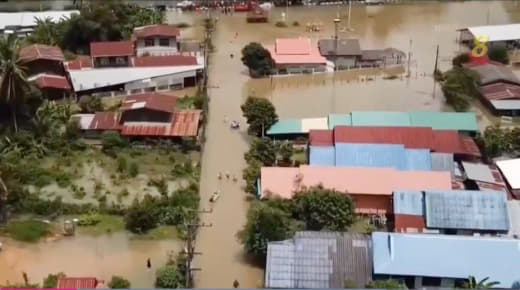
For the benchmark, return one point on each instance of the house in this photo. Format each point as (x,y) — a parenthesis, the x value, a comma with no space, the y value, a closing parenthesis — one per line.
(344,53)
(451,212)
(483,176)
(111,53)
(424,260)
(148,115)
(296,55)
(23,23)
(507,35)
(319,260)
(510,170)
(78,283)
(493,73)
(156,40)
(501,98)
(45,68)
(381,57)
(370,197)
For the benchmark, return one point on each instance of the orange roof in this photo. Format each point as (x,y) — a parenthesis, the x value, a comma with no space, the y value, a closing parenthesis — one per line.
(77,283)
(152,101)
(295,51)
(40,51)
(284,181)
(157,30)
(80,62)
(185,123)
(111,48)
(46,81)
(105,121)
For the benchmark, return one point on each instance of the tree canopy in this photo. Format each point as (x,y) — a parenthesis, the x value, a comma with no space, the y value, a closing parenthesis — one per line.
(260,115)
(499,54)
(472,283)
(169,277)
(459,87)
(385,284)
(257,59)
(118,282)
(497,141)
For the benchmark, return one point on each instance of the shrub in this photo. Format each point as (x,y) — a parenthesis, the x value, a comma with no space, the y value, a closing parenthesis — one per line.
(28,230)
(133,170)
(280,24)
(385,284)
(499,54)
(118,282)
(89,220)
(51,281)
(169,277)
(112,140)
(141,217)
(121,164)
(461,59)
(90,104)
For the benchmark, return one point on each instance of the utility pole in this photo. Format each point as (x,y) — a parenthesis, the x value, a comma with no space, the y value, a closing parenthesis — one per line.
(409,57)
(349,13)
(190,248)
(287,11)
(435,70)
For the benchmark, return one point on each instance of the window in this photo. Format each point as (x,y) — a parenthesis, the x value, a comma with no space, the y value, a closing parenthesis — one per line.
(164,42)
(103,61)
(120,60)
(148,42)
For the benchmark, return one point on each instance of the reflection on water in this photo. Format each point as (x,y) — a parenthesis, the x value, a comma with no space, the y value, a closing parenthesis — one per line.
(86,256)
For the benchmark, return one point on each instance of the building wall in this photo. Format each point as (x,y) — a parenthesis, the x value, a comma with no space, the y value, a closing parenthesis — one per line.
(372,204)
(344,62)
(300,68)
(45,66)
(404,223)
(157,49)
(120,61)
(162,82)
(145,115)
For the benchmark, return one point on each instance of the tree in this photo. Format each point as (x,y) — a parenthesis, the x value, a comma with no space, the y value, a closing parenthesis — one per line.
(461,59)
(263,150)
(46,32)
(385,284)
(323,209)
(286,151)
(90,104)
(257,59)
(13,85)
(51,281)
(141,216)
(496,141)
(265,224)
(472,283)
(251,175)
(112,140)
(260,115)
(459,87)
(499,54)
(169,277)
(118,282)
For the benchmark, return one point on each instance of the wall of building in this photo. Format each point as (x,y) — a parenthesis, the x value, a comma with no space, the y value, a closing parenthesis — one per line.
(45,66)
(120,61)
(372,204)
(300,68)
(146,115)
(157,49)
(162,82)
(344,62)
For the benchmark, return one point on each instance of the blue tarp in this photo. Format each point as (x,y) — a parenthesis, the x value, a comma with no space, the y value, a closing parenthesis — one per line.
(321,156)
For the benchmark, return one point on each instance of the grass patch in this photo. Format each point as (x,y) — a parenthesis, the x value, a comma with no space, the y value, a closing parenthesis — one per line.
(106,224)
(28,230)
(159,233)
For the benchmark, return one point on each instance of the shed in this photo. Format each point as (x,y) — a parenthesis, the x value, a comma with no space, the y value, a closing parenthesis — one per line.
(322,156)
(287,126)
(319,260)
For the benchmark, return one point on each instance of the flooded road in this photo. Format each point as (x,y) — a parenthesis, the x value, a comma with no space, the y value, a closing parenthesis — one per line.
(86,256)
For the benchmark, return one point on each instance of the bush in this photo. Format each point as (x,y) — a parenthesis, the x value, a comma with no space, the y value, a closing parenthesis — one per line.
(296,23)
(169,277)
(499,54)
(461,59)
(281,24)
(90,104)
(133,170)
(263,150)
(112,140)
(89,220)
(460,87)
(141,216)
(121,164)
(257,59)
(51,281)
(28,230)
(385,284)
(118,282)
(260,115)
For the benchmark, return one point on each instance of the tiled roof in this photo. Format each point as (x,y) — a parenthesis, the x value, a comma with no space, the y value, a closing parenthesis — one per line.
(40,51)
(111,48)
(171,60)
(105,121)
(295,51)
(77,283)
(152,101)
(500,91)
(52,82)
(184,123)
(156,30)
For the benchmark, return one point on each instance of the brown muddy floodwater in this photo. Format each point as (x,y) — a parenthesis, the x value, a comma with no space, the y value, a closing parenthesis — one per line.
(86,256)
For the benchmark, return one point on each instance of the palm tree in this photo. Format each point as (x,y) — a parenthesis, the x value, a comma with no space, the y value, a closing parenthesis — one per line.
(46,32)
(482,284)
(14,83)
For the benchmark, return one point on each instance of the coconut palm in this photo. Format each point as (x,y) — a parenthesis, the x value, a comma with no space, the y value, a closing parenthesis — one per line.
(14,83)
(46,32)
(472,283)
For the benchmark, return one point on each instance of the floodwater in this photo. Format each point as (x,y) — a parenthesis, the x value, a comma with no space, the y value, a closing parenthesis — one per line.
(86,256)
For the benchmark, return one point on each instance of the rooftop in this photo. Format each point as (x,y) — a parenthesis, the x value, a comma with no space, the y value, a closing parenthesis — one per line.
(466,121)
(184,123)
(500,91)
(157,30)
(46,81)
(295,51)
(482,172)
(493,73)
(461,256)
(41,51)
(28,19)
(170,60)
(321,137)
(379,118)
(151,101)
(319,260)
(105,121)
(344,47)
(111,48)
(298,126)
(511,171)
(77,283)
(497,32)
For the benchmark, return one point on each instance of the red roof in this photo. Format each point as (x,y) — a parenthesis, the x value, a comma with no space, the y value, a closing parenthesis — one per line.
(321,138)
(40,51)
(171,60)
(152,101)
(157,30)
(80,62)
(410,137)
(77,283)
(500,91)
(105,121)
(449,141)
(184,123)
(405,223)
(52,82)
(112,48)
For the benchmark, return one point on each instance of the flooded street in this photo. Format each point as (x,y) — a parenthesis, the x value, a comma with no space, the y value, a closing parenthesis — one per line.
(86,256)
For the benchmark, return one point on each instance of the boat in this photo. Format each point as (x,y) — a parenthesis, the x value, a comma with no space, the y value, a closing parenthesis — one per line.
(214,196)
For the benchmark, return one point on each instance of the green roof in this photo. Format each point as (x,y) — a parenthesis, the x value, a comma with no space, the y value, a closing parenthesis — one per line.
(339,120)
(445,120)
(289,126)
(375,118)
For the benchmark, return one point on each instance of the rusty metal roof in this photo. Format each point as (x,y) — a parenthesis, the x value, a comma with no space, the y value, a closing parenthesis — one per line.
(112,48)
(500,91)
(52,82)
(410,137)
(77,283)
(105,121)
(321,138)
(169,60)
(153,101)
(40,51)
(185,123)
(157,30)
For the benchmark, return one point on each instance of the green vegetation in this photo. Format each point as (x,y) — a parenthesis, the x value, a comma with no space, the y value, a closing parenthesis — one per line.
(160,233)
(472,283)
(118,282)
(90,104)
(169,276)
(459,87)
(386,284)
(263,150)
(260,115)
(112,140)
(296,23)
(461,59)
(105,21)
(99,224)
(257,59)
(497,141)
(28,230)
(281,24)
(51,281)
(499,54)
(313,209)
(182,25)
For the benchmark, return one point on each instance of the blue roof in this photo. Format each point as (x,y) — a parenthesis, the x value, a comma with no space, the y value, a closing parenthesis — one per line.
(409,202)
(467,209)
(418,159)
(371,155)
(322,156)
(446,256)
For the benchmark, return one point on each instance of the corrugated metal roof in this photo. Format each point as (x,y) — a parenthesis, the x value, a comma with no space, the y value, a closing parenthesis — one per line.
(322,156)
(506,104)
(449,141)
(105,121)
(370,155)
(77,283)
(156,30)
(319,260)
(467,209)
(111,48)
(497,32)
(381,118)
(342,47)
(41,51)
(408,202)
(184,123)
(339,120)
(410,137)
(418,159)
(287,126)
(152,101)
(321,138)
(445,120)
(446,256)
(500,91)
(481,172)
(47,81)
(28,19)
(443,162)
(296,51)
(495,72)
(511,171)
